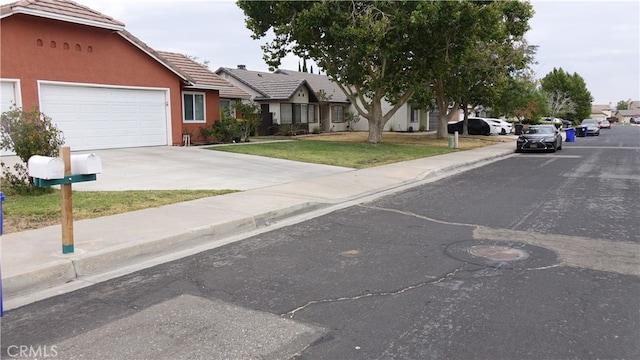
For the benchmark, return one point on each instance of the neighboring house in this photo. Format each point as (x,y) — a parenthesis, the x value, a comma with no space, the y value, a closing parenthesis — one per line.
(624,116)
(204,97)
(103,87)
(601,112)
(332,102)
(633,105)
(284,100)
(327,101)
(407,117)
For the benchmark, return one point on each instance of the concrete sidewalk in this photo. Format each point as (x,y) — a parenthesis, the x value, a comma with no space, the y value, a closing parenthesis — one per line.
(34,268)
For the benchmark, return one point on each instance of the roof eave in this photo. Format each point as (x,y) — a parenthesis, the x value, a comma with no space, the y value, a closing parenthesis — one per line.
(66,18)
(207,87)
(228,96)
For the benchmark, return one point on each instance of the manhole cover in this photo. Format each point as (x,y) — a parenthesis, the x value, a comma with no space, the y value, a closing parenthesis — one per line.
(502,254)
(498,253)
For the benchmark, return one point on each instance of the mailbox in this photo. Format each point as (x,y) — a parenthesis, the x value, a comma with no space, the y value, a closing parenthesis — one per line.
(45,167)
(86,164)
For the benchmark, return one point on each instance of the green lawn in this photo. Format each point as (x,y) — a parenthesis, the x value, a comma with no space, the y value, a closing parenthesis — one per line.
(32,212)
(339,153)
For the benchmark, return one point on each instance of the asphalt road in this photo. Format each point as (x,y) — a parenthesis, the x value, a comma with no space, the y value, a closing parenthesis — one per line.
(531,257)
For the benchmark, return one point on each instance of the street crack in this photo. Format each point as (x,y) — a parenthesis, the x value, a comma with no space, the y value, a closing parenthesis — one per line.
(407,213)
(450,274)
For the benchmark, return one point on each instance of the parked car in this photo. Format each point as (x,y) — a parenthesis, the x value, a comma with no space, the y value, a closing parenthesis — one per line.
(477,126)
(634,121)
(605,124)
(539,138)
(552,121)
(505,126)
(592,126)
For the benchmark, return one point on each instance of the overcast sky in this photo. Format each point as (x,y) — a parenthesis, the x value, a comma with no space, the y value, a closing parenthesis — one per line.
(599,40)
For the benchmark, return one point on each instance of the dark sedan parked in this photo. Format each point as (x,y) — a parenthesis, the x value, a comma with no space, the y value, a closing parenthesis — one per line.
(477,126)
(539,138)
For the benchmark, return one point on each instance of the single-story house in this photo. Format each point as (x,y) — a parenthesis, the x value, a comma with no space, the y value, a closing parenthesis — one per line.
(601,112)
(102,86)
(284,100)
(408,117)
(625,116)
(317,96)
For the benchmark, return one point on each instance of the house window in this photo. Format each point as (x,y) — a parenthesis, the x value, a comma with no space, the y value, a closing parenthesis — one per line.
(226,108)
(294,113)
(286,114)
(311,113)
(193,107)
(337,113)
(415,115)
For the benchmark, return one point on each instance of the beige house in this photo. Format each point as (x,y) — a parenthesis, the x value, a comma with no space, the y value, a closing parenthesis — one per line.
(601,112)
(633,111)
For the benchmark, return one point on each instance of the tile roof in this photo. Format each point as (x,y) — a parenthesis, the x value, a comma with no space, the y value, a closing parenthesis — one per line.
(318,82)
(64,10)
(271,86)
(200,76)
(629,112)
(600,108)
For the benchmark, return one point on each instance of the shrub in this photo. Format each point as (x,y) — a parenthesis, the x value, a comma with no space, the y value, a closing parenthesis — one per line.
(207,133)
(226,129)
(315,130)
(288,129)
(27,133)
(250,119)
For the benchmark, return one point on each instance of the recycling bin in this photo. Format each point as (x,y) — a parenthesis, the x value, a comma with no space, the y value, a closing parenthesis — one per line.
(518,129)
(571,134)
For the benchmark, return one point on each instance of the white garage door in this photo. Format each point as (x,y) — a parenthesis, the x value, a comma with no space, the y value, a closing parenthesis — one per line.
(103,117)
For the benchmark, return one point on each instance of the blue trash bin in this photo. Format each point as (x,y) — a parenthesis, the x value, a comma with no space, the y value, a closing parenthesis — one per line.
(571,134)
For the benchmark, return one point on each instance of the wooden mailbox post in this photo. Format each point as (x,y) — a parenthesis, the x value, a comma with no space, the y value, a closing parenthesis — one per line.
(48,171)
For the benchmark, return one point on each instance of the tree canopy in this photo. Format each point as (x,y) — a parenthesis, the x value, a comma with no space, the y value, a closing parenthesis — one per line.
(398,50)
(568,95)
(521,98)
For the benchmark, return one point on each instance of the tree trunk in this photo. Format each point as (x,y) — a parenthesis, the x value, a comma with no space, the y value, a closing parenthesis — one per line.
(443,109)
(376,123)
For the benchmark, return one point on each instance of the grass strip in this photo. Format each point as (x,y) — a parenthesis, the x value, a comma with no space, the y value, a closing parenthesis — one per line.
(31,212)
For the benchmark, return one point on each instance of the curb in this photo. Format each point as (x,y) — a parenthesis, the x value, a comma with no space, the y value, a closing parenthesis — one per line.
(79,265)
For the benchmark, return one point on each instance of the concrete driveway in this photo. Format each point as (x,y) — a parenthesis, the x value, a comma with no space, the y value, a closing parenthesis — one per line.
(177,168)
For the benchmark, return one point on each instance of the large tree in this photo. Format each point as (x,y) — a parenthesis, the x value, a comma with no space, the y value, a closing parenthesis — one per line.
(568,94)
(364,46)
(392,50)
(477,46)
(521,98)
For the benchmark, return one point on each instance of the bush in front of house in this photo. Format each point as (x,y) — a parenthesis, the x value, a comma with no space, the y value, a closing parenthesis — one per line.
(27,133)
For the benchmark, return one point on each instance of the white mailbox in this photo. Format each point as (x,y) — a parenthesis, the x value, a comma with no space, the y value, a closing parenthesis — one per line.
(45,167)
(86,164)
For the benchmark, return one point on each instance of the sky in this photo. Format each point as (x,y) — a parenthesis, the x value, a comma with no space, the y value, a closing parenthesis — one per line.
(598,40)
